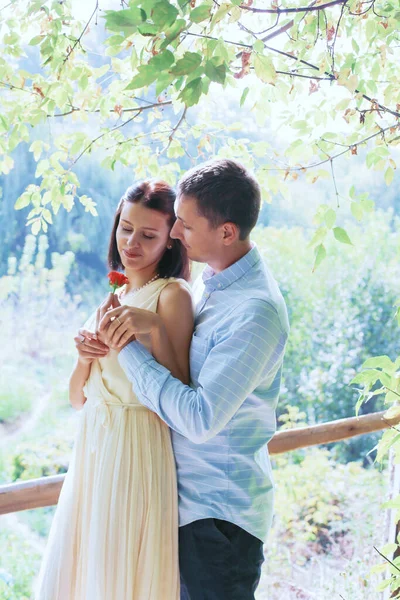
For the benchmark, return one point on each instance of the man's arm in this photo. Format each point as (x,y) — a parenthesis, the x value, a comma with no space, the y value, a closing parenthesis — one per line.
(250,350)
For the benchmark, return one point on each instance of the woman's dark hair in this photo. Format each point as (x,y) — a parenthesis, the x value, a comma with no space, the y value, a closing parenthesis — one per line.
(159,196)
(225,192)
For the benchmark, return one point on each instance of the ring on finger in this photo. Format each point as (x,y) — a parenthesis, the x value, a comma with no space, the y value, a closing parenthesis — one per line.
(116,318)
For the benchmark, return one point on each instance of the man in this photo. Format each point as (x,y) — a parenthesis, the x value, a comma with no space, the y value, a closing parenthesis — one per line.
(222,422)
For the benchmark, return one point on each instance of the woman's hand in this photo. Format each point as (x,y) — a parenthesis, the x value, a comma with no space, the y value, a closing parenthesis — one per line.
(109,303)
(89,347)
(120,326)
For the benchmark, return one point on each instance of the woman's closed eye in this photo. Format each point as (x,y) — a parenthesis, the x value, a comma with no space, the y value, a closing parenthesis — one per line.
(148,237)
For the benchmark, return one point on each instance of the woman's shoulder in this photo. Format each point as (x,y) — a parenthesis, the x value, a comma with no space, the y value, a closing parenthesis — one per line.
(175,285)
(175,290)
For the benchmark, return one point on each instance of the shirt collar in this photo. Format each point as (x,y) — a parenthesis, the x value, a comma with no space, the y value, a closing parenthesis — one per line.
(228,276)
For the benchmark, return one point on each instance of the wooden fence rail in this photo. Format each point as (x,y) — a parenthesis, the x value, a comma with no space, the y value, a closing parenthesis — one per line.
(36,493)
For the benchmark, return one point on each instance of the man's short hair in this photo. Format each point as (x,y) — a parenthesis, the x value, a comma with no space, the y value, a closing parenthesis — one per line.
(225,192)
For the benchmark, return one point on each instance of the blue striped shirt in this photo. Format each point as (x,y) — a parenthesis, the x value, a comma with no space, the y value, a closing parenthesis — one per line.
(221,423)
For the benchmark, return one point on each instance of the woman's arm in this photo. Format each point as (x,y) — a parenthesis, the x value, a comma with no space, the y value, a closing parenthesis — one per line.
(172,333)
(77,381)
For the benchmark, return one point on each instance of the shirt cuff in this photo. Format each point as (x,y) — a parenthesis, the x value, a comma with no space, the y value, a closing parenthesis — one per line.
(133,356)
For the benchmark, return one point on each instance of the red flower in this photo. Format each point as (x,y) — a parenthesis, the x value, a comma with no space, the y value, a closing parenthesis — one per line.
(116,280)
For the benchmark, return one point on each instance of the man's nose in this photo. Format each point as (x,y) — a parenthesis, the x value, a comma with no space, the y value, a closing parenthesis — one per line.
(174,233)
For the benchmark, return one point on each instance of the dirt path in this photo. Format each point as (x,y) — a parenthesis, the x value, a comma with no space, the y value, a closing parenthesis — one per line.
(9,434)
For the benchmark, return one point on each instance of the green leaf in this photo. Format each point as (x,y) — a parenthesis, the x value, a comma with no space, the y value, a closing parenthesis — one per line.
(244,96)
(187,64)
(47,215)
(216,69)
(173,32)
(43,166)
(162,61)
(367,205)
(163,82)
(330,218)
(370,376)
(36,147)
(164,14)
(264,68)
(320,254)
(36,227)
(200,13)
(115,40)
(124,20)
(379,362)
(22,201)
(341,236)
(389,175)
(36,40)
(148,29)
(147,74)
(318,236)
(258,46)
(221,12)
(356,210)
(190,94)
(11,38)
(366,378)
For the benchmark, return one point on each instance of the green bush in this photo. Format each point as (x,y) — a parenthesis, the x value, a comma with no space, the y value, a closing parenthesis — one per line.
(19,563)
(340,315)
(41,459)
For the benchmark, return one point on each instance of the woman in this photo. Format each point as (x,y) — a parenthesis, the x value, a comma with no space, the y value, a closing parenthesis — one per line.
(115,531)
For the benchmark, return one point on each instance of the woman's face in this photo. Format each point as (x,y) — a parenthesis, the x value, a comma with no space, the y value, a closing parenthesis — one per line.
(142,236)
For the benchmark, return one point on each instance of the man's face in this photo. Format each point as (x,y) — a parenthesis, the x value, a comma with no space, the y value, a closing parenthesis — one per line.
(202,241)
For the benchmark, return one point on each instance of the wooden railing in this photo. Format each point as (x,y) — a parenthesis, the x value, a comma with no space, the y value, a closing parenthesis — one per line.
(36,493)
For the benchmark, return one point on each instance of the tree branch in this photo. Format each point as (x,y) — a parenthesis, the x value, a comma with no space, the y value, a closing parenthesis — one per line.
(138,109)
(330,158)
(386,558)
(336,33)
(174,130)
(210,37)
(329,75)
(78,40)
(7,5)
(295,74)
(105,133)
(15,87)
(279,11)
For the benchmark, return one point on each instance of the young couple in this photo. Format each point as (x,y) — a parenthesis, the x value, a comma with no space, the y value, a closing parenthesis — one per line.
(178,404)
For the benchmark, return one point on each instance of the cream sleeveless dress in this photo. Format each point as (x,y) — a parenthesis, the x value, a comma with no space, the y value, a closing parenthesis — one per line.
(115,531)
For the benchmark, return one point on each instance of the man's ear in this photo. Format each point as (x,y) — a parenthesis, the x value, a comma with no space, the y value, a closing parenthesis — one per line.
(230,233)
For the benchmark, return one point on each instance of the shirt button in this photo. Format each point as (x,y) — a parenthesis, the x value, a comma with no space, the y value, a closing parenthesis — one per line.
(220,285)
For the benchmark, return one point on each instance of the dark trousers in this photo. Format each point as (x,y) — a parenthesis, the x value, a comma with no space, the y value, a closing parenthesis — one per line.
(218,561)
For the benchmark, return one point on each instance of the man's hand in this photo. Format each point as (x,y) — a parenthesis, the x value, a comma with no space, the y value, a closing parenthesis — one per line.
(120,326)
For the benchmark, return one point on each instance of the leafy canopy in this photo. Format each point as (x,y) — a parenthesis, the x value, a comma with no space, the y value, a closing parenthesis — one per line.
(132,83)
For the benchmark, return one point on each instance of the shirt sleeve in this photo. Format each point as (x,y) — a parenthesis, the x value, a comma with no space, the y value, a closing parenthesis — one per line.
(249,350)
